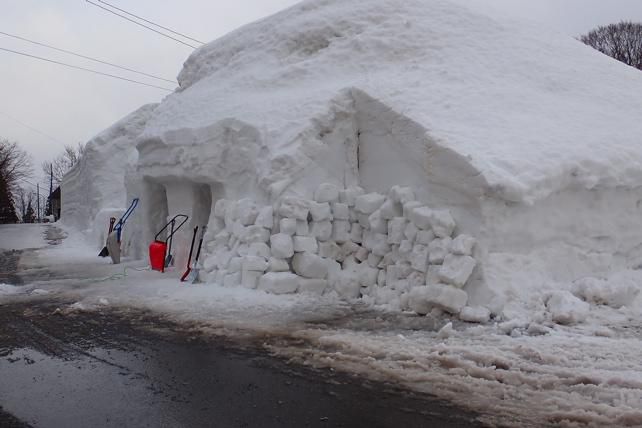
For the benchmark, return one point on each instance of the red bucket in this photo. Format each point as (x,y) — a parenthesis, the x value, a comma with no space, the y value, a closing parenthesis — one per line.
(157,253)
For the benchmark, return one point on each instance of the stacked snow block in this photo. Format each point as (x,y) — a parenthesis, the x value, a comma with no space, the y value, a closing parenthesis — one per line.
(388,249)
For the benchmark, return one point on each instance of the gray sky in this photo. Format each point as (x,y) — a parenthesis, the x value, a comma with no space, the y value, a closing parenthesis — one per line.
(73,106)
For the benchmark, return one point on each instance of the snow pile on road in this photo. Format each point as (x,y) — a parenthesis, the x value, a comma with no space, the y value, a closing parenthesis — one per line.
(94,189)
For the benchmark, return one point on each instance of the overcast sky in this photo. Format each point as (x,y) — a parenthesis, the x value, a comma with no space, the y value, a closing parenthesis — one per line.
(72,106)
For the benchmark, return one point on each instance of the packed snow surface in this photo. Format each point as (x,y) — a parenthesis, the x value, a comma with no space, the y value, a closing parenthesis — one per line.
(13,236)
(532,111)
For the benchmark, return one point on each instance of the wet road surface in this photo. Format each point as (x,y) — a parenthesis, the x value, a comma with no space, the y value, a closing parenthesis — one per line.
(134,369)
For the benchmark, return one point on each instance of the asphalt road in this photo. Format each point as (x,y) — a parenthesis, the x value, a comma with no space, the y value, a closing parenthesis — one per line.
(125,368)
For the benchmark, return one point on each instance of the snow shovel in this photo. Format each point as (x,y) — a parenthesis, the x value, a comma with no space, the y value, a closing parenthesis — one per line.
(118,228)
(113,247)
(105,252)
(170,259)
(196,267)
(159,257)
(189,259)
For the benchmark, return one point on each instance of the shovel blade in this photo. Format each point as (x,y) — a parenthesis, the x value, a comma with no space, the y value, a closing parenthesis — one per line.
(104,252)
(193,276)
(169,261)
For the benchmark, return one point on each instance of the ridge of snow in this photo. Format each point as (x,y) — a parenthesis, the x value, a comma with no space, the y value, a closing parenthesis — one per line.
(519,103)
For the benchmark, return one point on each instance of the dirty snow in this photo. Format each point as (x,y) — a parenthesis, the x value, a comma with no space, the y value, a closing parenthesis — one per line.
(21,236)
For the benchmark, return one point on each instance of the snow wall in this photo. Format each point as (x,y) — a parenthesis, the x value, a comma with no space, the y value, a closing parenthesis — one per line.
(488,123)
(94,189)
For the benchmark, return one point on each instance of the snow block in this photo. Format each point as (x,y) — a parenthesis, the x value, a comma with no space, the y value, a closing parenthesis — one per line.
(463,245)
(410,232)
(330,250)
(409,207)
(256,234)
(232,279)
(367,204)
(334,270)
(282,246)
(341,231)
(361,254)
(310,265)
(396,227)
(477,314)
(377,223)
(326,192)
(250,279)
(302,228)
(279,283)
(287,226)
(424,237)
(456,270)
(420,216)
(439,249)
(305,244)
(322,230)
(312,286)
(265,218)
(419,258)
(347,285)
(565,308)
(219,208)
(246,211)
(356,233)
(374,260)
(278,265)
(442,223)
(401,194)
(390,210)
(349,195)
(294,208)
(260,249)
(425,298)
(235,265)
(258,264)
(340,211)
(320,211)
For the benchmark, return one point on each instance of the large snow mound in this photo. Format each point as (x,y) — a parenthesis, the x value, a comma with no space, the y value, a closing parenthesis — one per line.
(519,103)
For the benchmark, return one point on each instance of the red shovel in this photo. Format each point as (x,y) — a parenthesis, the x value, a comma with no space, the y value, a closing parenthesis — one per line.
(189,259)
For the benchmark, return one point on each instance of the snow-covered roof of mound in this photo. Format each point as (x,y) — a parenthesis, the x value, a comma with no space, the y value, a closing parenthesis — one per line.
(533,111)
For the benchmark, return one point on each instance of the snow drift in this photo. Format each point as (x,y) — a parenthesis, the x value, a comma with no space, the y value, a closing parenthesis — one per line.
(530,140)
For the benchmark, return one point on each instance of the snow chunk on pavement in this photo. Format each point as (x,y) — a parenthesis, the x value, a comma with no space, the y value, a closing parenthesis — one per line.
(616,293)
(424,299)
(476,314)
(565,308)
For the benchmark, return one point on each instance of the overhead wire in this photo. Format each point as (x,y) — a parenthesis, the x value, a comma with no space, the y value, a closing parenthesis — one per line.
(151,22)
(87,69)
(142,25)
(86,57)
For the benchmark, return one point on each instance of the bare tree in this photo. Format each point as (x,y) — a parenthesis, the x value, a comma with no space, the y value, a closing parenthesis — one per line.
(62,163)
(622,41)
(23,197)
(15,166)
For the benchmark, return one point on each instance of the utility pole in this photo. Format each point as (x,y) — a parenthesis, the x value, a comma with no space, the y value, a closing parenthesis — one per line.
(38,199)
(49,202)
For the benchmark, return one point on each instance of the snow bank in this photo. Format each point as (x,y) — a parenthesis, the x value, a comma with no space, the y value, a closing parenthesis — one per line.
(418,143)
(94,189)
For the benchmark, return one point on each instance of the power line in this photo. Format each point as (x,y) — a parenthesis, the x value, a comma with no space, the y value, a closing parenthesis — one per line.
(31,128)
(86,69)
(142,25)
(151,22)
(86,57)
